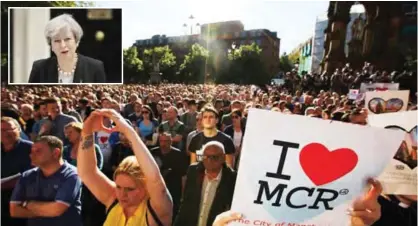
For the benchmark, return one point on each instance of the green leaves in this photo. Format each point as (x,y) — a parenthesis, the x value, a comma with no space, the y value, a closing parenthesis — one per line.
(132,65)
(194,66)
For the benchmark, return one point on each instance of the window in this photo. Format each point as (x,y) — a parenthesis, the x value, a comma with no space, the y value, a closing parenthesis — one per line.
(258,42)
(243,34)
(236,34)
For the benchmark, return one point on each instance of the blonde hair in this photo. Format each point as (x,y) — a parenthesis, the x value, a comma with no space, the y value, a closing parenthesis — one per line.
(78,126)
(130,167)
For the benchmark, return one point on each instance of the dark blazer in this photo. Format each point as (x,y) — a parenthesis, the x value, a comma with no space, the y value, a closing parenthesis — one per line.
(88,70)
(188,214)
(229,130)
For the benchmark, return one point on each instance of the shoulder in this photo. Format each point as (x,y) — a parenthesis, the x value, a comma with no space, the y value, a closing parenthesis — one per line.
(68,171)
(25,143)
(154,149)
(227,128)
(68,117)
(89,60)
(43,62)
(31,173)
(223,136)
(197,135)
(173,149)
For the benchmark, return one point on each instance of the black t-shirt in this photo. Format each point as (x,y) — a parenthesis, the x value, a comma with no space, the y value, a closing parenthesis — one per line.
(199,140)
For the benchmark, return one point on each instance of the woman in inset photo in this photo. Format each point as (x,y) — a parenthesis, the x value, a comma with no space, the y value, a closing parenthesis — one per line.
(63,35)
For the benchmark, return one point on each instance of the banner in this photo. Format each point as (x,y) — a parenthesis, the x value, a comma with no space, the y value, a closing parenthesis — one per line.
(400,176)
(387,101)
(367,87)
(296,170)
(353,94)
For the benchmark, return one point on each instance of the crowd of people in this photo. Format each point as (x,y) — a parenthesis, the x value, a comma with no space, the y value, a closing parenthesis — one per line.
(158,154)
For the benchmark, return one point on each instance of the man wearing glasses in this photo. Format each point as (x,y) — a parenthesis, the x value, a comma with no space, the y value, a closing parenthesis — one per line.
(209,188)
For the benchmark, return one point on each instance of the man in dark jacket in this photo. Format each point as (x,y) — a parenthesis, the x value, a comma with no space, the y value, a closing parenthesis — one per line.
(209,188)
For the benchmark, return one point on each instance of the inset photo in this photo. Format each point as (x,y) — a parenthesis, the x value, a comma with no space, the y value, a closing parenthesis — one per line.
(65,46)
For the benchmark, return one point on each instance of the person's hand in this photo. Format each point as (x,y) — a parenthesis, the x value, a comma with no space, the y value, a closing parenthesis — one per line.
(94,123)
(122,125)
(366,210)
(226,218)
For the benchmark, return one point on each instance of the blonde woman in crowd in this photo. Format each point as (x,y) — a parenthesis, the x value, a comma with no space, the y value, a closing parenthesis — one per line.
(137,195)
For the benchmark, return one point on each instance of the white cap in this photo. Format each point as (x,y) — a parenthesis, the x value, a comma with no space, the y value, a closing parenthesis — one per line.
(214,144)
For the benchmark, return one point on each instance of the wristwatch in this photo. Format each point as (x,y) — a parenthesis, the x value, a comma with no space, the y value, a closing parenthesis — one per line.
(24,204)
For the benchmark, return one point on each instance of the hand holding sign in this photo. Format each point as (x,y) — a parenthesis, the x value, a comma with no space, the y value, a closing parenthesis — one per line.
(366,209)
(226,217)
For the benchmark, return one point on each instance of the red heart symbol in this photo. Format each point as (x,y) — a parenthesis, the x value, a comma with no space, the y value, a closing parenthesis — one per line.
(381,89)
(103,139)
(323,166)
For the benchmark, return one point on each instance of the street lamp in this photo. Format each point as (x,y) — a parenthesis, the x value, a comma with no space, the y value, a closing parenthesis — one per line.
(191,18)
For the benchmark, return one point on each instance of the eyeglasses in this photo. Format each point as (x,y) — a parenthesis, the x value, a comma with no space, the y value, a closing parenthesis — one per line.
(235,116)
(145,112)
(212,157)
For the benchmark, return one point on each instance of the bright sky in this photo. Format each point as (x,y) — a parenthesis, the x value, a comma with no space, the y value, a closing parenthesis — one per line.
(294,21)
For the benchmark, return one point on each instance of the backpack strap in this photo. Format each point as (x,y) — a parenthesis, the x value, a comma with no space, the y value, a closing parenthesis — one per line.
(153,214)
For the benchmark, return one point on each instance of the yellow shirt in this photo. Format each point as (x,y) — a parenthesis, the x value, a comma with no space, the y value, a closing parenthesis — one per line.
(116,217)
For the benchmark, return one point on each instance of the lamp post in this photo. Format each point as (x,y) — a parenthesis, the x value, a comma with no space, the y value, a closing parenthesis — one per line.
(185,25)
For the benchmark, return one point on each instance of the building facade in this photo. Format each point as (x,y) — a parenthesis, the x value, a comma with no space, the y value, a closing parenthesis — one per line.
(380,40)
(321,24)
(220,38)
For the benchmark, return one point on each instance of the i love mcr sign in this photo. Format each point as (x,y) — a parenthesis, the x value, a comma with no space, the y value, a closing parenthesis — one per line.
(302,171)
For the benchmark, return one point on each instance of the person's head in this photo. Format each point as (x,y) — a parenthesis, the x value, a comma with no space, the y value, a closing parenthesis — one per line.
(358,117)
(53,106)
(165,141)
(130,183)
(172,113)
(123,139)
(106,102)
(209,118)
(138,106)
(213,156)
(164,115)
(192,105)
(43,110)
(115,106)
(219,104)
(83,102)
(147,112)
(10,130)
(73,131)
(46,150)
(310,111)
(27,111)
(65,104)
(133,98)
(199,118)
(236,116)
(63,34)
(236,105)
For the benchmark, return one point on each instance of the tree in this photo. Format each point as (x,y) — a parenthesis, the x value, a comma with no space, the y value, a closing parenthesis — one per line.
(285,63)
(132,66)
(194,67)
(164,57)
(245,67)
